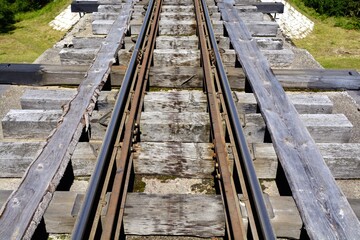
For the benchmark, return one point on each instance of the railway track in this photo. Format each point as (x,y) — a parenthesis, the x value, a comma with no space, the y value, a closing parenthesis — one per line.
(175,118)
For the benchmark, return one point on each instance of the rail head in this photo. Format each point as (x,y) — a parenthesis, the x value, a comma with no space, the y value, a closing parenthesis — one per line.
(254,189)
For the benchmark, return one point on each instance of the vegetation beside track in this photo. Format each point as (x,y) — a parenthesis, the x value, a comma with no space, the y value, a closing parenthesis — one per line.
(334,42)
(31,34)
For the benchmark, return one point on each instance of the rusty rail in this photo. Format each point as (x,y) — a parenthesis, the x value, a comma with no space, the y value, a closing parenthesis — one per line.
(115,154)
(217,87)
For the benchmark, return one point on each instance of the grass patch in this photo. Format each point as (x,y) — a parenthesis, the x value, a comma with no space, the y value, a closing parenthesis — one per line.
(139,185)
(32,34)
(332,46)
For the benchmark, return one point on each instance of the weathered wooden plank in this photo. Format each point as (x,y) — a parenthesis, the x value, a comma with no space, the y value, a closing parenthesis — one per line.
(175,101)
(323,207)
(178,57)
(104,16)
(257,29)
(319,79)
(25,207)
(323,128)
(101,27)
(170,27)
(44,75)
(343,160)
(179,77)
(46,99)
(269,43)
(176,42)
(15,157)
(72,56)
(265,160)
(177,9)
(178,2)
(36,124)
(61,215)
(160,127)
(287,221)
(87,42)
(4,194)
(304,103)
(189,160)
(187,215)
(177,16)
(283,213)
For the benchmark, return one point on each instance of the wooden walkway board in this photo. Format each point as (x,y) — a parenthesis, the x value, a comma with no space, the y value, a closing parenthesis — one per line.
(189,160)
(186,215)
(26,206)
(323,207)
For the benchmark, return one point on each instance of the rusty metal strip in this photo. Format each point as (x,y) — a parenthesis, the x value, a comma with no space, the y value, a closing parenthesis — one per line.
(234,218)
(113,218)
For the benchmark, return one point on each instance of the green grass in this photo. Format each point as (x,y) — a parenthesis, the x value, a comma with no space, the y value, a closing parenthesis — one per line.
(332,46)
(32,34)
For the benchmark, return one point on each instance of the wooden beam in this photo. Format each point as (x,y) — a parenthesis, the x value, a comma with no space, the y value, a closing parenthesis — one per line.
(25,207)
(174,214)
(189,160)
(61,214)
(48,75)
(323,207)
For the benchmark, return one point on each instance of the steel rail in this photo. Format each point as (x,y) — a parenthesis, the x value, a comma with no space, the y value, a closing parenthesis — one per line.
(115,211)
(253,186)
(83,224)
(232,205)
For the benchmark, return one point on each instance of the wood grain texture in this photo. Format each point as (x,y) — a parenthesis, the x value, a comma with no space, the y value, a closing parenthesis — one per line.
(343,159)
(175,127)
(323,128)
(25,207)
(175,101)
(323,207)
(46,99)
(44,75)
(304,103)
(177,214)
(36,124)
(62,212)
(190,160)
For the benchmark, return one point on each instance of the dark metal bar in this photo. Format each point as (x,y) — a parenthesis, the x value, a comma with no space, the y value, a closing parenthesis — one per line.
(84,6)
(234,222)
(254,190)
(83,223)
(116,203)
(270,7)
